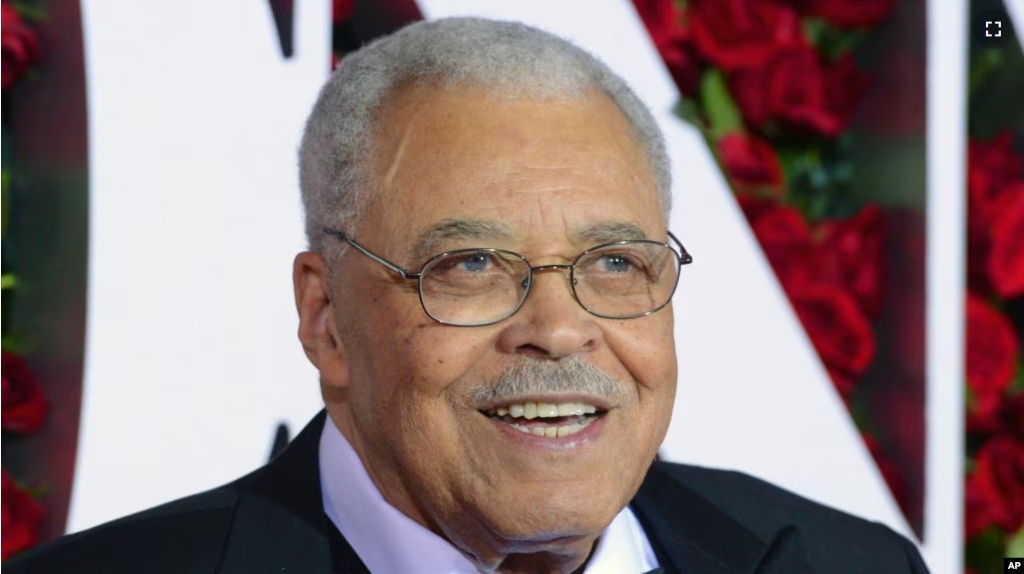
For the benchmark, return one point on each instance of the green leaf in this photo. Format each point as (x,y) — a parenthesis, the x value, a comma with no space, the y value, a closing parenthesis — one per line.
(7,281)
(1017,385)
(9,344)
(982,68)
(1015,546)
(985,550)
(831,41)
(30,11)
(689,111)
(817,31)
(723,115)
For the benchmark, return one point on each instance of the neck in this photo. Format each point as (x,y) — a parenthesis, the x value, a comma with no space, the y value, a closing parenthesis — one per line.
(545,562)
(472,538)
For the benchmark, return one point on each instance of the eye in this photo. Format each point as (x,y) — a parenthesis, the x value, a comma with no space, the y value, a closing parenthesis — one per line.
(475,263)
(616,263)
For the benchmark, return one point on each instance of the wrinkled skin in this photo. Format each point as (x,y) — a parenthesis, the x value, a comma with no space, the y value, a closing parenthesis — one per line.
(397,383)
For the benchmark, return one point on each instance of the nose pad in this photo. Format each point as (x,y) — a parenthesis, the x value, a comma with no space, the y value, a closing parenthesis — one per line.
(528,280)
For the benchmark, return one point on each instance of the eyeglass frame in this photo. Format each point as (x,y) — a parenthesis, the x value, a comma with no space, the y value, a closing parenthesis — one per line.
(682,256)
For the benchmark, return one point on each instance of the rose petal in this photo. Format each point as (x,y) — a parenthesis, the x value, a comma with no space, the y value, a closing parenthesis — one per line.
(22,516)
(991,348)
(24,406)
(1006,257)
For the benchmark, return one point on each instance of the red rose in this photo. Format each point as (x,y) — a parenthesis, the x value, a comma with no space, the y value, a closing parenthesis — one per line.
(991,165)
(20,45)
(789,89)
(851,255)
(1000,470)
(831,316)
(981,506)
(749,161)
(667,27)
(991,348)
(786,241)
(845,86)
(735,34)
(984,414)
(982,218)
(21,519)
(1006,257)
(848,13)
(341,10)
(993,170)
(24,405)
(837,327)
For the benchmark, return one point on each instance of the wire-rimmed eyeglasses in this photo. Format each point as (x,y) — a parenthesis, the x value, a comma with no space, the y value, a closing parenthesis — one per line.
(482,286)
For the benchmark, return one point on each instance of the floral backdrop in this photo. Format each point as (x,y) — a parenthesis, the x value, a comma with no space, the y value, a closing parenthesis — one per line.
(994,481)
(24,404)
(775,86)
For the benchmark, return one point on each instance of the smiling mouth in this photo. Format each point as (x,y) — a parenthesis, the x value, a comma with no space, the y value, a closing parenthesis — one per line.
(546,419)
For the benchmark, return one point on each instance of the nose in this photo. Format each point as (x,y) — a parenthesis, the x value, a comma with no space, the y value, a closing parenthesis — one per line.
(551,324)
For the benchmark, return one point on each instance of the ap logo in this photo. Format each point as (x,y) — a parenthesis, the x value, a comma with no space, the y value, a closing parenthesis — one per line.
(1013,565)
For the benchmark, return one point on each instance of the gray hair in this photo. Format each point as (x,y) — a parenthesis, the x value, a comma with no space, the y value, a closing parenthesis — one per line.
(512,59)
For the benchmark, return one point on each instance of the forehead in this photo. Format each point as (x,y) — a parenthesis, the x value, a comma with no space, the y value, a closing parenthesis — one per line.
(467,154)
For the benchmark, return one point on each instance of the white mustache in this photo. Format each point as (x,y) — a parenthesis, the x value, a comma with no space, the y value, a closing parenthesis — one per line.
(532,377)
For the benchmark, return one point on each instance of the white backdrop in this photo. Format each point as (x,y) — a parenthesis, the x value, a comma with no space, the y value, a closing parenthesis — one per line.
(191,349)
(191,352)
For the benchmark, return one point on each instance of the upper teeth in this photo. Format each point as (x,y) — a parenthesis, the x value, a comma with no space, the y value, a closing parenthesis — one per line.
(543,410)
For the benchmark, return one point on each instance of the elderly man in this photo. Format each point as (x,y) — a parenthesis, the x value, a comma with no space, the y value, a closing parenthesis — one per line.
(486,297)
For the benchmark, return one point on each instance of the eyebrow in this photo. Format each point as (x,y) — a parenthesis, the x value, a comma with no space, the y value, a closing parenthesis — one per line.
(607,232)
(431,241)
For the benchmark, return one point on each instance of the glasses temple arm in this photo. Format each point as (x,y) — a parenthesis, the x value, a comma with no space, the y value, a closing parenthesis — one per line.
(341,236)
(685,257)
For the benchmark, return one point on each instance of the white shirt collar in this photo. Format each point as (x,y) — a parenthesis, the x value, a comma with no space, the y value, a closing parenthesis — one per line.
(388,541)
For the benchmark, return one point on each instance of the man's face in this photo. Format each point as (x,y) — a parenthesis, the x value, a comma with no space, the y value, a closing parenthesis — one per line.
(553,178)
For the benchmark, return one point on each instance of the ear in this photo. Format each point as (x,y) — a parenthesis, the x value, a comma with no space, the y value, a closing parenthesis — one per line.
(318,330)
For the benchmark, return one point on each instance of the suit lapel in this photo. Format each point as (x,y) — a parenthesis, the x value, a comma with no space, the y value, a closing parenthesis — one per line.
(693,536)
(279,524)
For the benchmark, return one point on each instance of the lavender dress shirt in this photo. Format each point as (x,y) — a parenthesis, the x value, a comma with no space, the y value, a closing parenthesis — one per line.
(390,542)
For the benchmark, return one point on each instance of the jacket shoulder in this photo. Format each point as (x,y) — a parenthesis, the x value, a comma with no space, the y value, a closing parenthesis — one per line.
(766,509)
(186,535)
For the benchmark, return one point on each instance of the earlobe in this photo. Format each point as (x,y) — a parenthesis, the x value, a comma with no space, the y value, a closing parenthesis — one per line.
(317,329)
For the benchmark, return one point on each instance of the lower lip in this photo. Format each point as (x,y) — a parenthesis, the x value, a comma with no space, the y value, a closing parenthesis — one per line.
(583,439)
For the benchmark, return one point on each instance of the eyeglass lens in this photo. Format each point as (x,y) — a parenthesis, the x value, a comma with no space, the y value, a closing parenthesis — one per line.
(478,287)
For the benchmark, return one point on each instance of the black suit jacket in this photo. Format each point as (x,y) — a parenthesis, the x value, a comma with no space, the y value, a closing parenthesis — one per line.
(699,521)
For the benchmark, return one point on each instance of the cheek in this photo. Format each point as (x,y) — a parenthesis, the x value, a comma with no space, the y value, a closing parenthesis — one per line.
(424,365)
(421,385)
(646,348)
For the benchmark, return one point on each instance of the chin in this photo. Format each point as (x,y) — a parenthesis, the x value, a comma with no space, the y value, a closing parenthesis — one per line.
(544,517)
